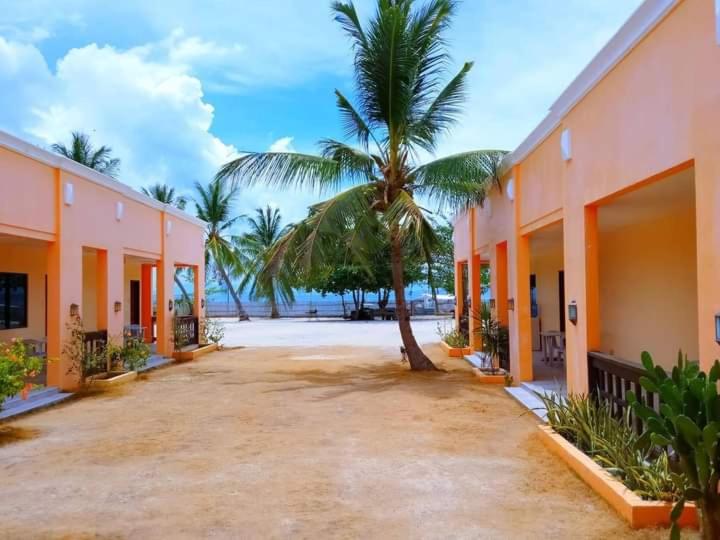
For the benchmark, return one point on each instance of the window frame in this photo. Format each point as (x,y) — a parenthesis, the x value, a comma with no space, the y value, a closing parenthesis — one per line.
(5,316)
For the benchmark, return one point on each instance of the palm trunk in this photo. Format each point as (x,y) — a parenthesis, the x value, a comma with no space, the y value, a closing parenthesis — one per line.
(242,315)
(274,312)
(710,517)
(433,290)
(417,358)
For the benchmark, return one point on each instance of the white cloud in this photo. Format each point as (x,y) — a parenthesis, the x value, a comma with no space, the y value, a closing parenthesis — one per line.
(152,112)
(285,144)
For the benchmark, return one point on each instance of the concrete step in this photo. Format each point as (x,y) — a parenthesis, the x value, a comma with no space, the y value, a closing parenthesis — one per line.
(155,362)
(476,359)
(25,406)
(528,400)
(35,395)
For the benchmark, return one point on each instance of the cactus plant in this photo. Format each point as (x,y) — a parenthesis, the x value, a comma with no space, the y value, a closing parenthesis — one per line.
(689,422)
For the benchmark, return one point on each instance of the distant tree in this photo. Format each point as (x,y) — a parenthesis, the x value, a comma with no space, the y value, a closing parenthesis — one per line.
(254,249)
(404,107)
(165,194)
(213,205)
(82,151)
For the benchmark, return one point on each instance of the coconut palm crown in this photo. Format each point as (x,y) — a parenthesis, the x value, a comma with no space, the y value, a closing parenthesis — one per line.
(254,250)
(402,108)
(82,151)
(165,194)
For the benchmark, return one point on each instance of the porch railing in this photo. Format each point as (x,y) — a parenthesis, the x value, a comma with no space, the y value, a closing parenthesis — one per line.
(93,345)
(186,331)
(610,379)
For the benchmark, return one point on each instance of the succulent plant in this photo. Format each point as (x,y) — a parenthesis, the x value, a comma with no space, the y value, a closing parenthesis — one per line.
(688,422)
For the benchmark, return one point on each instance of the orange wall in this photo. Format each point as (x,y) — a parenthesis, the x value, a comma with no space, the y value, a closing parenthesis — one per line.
(33,205)
(648,284)
(27,257)
(657,109)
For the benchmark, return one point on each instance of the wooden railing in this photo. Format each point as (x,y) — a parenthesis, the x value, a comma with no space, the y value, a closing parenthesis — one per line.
(94,344)
(610,379)
(186,331)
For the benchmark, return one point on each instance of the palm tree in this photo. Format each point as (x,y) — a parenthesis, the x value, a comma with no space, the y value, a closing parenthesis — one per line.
(165,194)
(213,205)
(403,108)
(82,151)
(254,249)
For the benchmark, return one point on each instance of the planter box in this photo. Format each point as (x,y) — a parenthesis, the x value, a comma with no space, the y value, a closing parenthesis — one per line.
(192,354)
(101,381)
(637,512)
(455,352)
(487,378)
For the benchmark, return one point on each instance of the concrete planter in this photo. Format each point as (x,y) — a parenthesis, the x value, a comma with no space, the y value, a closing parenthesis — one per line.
(640,514)
(103,381)
(455,352)
(490,378)
(192,354)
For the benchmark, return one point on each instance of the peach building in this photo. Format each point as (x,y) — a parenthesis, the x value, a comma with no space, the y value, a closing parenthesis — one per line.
(606,232)
(74,240)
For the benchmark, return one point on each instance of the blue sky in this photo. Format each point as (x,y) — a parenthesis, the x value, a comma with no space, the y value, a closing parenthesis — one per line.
(176,87)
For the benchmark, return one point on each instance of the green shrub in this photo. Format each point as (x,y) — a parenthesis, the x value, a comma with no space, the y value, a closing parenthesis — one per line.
(689,423)
(135,354)
(452,336)
(212,331)
(612,443)
(15,367)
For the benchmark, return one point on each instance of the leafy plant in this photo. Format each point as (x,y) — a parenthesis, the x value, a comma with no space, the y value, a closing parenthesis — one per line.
(15,366)
(689,423)
(611,442)
(135,354)
(452,336)
(181,336)
(212,331)
(82,151)
(495,338)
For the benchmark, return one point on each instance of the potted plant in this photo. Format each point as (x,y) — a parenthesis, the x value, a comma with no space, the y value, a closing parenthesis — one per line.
(453,340)
(495,342)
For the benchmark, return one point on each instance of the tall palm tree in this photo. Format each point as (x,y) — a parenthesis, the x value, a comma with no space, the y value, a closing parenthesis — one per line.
(403,108)
(254,249)
(82,151)
(214,205)
(165,194)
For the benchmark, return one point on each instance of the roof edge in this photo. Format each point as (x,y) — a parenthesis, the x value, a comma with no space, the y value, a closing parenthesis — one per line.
(643,21)
(24,148)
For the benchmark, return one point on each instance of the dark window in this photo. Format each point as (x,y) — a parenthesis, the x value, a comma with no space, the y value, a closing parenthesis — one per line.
(13,301)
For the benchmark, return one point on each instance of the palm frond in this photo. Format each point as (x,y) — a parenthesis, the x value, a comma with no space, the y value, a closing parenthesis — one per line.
(353,163)
(416,230)
(459,181)
(284,169)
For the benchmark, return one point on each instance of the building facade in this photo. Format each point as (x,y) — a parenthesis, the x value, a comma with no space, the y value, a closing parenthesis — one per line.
(606,232)
(73,241)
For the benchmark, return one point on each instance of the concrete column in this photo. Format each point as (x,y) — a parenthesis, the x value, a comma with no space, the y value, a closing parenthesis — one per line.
(474,271)
(146,300)
(101,290)
(64,271)
(165,306)
(707,210)
(459,293)
(500,283)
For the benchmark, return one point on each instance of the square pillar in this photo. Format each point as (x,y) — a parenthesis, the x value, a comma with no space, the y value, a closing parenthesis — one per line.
(101,290)
(500,283)
(707,212)
(64,288)
(165,307)
(459,292)
(520,316)
(146,301)
(474,271)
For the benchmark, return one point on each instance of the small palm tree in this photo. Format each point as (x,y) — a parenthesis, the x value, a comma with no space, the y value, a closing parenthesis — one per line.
(254,249)
(403,109)
(214,205)
(165,194)
(82,151)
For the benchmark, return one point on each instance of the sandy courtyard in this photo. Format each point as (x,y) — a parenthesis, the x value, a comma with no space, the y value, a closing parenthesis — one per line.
(293,443)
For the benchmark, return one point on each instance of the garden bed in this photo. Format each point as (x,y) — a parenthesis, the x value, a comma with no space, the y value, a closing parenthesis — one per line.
(488,377)
(191,353)
(455,352)
(637,512)
(114,378)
